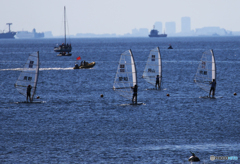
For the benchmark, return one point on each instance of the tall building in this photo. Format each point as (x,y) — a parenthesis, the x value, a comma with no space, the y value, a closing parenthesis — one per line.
(134,31)
(170,27)
(158,26)
(186,24)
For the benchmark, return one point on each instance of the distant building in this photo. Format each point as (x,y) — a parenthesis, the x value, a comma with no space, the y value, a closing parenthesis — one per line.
(158,26)
(215,31)
(186,24)
(48,34)
(170,28)
(91,35)
(29,35)
(134,31)
(142,32)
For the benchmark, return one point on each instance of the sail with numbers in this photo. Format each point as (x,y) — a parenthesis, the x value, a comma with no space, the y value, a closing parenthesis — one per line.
(126,76)
(206,71)
(153,67)
(29,75)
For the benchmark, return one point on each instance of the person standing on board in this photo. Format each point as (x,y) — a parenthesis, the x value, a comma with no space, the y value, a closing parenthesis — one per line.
(157,82)
(213,87)
(29,92)
(135,88)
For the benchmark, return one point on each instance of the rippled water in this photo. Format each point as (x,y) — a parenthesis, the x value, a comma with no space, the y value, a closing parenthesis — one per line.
(75,125)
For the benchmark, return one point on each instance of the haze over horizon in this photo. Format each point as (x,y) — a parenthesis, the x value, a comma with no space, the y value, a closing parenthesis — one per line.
(112,16)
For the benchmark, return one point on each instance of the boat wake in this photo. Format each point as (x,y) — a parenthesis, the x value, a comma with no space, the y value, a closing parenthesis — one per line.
(40,69)
(46,69)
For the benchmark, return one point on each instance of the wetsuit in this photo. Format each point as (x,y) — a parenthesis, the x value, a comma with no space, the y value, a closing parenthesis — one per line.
(29,92)
(135,88)
(213,87)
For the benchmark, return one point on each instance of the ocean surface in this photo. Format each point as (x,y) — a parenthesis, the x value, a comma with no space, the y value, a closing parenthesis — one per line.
(73,124)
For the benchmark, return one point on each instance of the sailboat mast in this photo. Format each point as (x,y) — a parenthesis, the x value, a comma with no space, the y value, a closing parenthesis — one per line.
(65,23)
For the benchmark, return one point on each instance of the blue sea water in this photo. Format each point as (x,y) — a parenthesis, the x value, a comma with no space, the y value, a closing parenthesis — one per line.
(75,125)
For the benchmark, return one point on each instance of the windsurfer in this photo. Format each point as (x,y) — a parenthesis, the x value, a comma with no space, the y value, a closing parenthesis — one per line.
(29,92)
(134,98)
(193,158)
(213,87)
(170,46)
(157,82)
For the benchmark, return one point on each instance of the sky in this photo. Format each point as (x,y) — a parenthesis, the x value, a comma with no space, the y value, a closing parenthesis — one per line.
(116,16)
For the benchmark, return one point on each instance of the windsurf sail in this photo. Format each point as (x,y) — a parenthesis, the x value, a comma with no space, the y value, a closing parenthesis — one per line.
(126,76)
(29,75)
(206,71)
(153,67)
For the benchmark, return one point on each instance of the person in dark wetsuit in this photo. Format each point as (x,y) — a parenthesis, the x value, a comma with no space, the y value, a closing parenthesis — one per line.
(193,158)
(213,87)
(29,92)
(135,88)
(157,82)
(170,46)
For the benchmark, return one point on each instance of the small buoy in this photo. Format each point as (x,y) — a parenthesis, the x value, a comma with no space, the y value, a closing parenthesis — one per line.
(38,97)
(168,95)
(101,95)
(235,94)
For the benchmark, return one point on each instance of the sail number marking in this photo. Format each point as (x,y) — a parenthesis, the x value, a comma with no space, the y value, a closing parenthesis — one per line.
(31,64)
(27,78)
(122,68)
(153,57)
(151,70)
(203,64)
(203,72)
(123,78)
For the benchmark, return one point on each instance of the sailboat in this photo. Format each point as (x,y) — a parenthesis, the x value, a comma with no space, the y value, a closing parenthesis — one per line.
(64,47)
(153,68)
(126,76)
(206,71)
(29,76)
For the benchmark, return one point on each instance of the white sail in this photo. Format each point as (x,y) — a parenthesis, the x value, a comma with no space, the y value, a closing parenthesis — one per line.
(206,71)
(29,75)
(126,76)
(153,67)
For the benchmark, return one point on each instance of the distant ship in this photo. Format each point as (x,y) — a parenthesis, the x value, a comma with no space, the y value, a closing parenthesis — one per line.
(9,34)
(154,33)
(29,35)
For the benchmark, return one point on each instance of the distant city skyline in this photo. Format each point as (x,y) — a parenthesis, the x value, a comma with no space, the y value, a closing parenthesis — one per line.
(159,27)
(170,28)
(119,17)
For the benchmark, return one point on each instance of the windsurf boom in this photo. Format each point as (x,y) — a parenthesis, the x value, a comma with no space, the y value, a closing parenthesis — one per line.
(153,67)
(29,75)
(126,76)
(206,71)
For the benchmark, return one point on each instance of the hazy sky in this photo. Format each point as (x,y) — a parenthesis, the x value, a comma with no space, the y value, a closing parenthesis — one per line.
(116,16)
